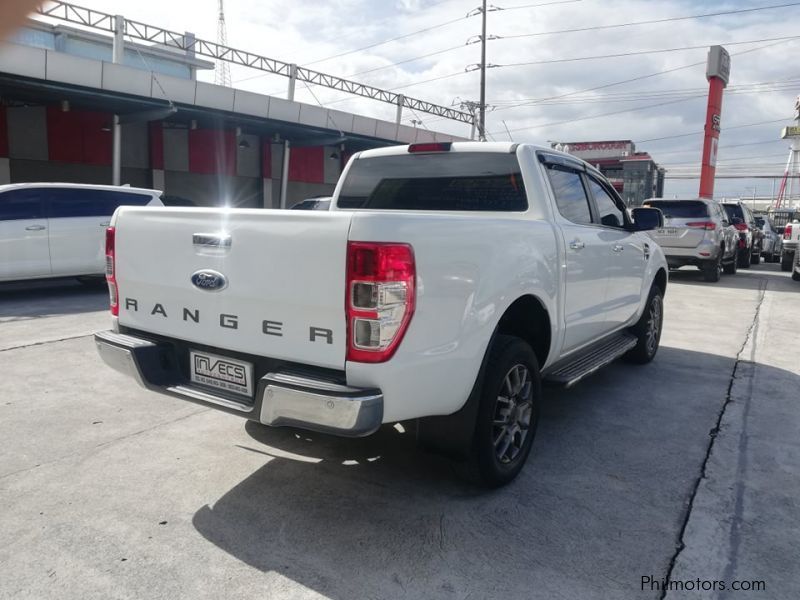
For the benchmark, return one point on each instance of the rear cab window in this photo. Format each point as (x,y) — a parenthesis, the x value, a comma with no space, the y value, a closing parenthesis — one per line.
(447,181)
(680,209)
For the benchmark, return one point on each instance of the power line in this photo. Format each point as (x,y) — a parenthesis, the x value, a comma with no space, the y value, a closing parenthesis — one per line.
(632,79)
(649,22)
(654,94)
(521,6)
(680,135)
(637,53)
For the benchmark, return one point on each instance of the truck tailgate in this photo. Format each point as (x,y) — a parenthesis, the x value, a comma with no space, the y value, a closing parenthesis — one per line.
(284,278)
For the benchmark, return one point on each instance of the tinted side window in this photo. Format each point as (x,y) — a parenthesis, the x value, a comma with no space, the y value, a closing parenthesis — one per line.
(77,202)
(610,214)
(20,204)
(571,199)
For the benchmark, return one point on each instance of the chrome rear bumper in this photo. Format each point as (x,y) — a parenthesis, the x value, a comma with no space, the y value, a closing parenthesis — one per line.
(281,399)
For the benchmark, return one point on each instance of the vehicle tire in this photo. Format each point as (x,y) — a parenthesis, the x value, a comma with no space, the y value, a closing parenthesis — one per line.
(756,258)
(648,330)
(744,257)
(786,261)
(795,276)
(508,412)
(731,266)
(712,270)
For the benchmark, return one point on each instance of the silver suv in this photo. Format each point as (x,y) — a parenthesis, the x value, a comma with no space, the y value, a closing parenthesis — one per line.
(696,232)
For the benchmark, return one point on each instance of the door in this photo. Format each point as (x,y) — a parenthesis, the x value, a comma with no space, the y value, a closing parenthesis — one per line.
(625,252)
(78,221)
(586,258)
(24,247)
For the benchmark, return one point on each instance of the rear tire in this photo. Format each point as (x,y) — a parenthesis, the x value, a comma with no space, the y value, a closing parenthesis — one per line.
(731,266)
(756,259)
(744,258)
(712,270)
(508,412)
(786,261)
(648,330)
(795,276)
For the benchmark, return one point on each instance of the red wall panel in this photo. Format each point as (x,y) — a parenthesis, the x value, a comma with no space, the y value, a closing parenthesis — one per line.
(212,151)
(156,145)
(78,136)
(3,131)
(97,144)
(307,165)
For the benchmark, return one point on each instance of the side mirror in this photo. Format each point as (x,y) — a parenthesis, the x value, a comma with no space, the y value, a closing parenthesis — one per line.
(646,219)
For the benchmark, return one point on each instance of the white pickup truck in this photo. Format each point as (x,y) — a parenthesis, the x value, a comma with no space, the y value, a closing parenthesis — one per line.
(446,282)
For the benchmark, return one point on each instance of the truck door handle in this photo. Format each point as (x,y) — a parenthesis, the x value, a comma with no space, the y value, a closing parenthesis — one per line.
(34,228)
(106,224)
(577,245)
(618,247)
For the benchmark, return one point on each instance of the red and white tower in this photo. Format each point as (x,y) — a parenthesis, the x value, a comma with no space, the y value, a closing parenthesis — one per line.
(718,71)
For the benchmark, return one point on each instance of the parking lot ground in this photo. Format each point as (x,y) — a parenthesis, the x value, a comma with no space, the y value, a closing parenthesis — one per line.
(687,468)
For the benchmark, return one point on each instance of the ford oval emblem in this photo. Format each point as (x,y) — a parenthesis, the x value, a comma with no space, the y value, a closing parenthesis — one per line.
(211,281)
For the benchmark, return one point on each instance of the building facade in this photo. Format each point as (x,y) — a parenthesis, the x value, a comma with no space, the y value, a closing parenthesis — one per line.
(635,175)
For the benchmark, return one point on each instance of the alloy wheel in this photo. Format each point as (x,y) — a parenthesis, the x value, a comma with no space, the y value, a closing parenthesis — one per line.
(512,416)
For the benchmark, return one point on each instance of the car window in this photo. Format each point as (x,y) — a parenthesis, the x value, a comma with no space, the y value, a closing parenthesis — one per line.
(458,181)
(20,204)
(571,198)
(78,202)
(680,209)
(734,211)
(609,212)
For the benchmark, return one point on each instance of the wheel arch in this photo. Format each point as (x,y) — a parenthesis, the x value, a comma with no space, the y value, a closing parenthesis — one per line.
(528,318)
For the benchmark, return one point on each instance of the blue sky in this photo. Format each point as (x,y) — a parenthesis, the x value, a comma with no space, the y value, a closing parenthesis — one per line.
(764,79)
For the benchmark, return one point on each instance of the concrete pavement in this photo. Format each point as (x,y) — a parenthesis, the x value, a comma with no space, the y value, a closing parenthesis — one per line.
(112,492)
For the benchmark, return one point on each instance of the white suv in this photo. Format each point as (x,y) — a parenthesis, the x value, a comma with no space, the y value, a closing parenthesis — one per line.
(58,229)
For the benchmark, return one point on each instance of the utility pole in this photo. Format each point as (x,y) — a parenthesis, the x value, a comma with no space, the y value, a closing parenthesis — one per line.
(482,114)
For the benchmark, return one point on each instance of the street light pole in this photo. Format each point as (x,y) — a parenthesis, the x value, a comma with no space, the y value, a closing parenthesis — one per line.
(482,114)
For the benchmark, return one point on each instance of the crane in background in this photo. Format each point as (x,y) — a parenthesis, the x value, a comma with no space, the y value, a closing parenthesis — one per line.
(222,70)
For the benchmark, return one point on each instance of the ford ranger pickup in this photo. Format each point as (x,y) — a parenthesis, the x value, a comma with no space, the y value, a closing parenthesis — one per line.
(445,284)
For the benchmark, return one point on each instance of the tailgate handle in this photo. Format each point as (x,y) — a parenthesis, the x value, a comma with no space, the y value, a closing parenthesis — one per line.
(212,240)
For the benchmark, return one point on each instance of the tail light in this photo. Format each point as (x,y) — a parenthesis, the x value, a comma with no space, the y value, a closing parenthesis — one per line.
(429,147)
(787,232)
(740,226)
(380,299)
(707,225)
(111,271)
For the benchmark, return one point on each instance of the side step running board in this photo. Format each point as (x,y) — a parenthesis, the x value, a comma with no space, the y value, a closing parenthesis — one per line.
(590,360)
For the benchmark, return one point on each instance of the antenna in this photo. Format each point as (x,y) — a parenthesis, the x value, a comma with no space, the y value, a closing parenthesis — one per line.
(222,70)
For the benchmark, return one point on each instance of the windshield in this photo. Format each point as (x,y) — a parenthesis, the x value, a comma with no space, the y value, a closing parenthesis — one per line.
(680,209)
(458,181)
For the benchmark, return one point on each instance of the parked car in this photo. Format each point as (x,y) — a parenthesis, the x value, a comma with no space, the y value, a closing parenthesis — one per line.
(320,203)
(696,232)
(470,273)
(771,240)
(750,240)
(796,267)
(791,240)
(58,229)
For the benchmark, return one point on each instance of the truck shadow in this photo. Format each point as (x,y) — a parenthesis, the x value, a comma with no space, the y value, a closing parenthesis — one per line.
(599,504)
(49,297)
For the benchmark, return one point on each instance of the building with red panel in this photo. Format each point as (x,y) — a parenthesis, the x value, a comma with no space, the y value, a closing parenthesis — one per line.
(635,175)
(200,143)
